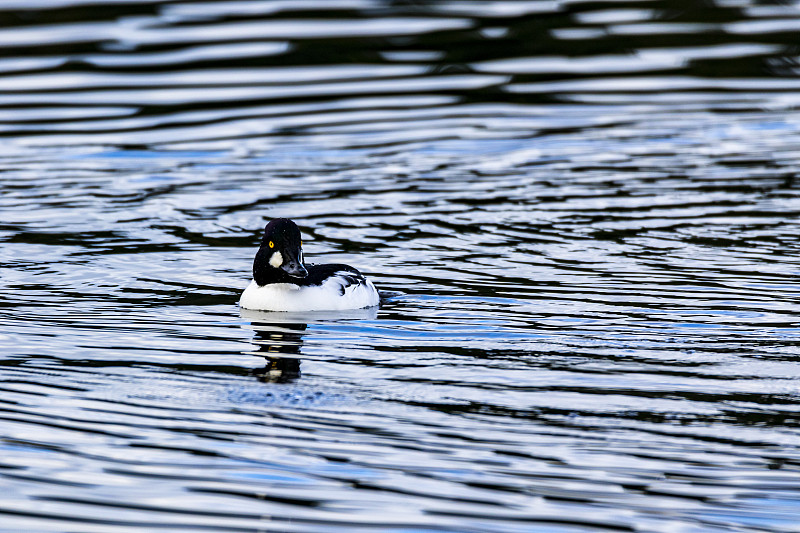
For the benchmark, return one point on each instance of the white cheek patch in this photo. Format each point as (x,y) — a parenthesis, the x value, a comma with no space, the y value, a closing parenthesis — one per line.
(276,260)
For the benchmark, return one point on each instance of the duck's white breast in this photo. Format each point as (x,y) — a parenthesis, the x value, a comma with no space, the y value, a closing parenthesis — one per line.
(325,297)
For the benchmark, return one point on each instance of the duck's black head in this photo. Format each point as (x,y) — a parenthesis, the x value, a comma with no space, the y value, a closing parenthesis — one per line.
(280,257)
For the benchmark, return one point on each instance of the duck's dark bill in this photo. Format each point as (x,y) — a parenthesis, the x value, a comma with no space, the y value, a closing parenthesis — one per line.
(294,269)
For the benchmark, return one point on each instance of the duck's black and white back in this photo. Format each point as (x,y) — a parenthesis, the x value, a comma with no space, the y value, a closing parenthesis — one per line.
(282,282)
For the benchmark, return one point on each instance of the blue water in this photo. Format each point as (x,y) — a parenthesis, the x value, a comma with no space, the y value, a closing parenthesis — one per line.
(585,216)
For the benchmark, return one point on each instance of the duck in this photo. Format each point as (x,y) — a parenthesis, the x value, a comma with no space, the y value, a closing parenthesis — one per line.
(283,282)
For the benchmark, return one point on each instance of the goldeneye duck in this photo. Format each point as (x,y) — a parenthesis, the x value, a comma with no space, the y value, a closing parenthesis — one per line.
(282,282)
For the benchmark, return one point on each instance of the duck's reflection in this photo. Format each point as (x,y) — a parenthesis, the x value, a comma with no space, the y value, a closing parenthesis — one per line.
(279,338)
(283,339)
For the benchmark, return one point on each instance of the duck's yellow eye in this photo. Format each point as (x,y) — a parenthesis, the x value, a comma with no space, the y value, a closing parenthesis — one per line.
(271,244)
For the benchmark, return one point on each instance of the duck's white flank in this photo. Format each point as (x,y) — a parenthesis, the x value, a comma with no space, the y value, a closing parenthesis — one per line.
(325,297)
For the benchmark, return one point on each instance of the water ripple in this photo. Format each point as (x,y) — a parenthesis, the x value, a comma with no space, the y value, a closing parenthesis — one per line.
(583,216)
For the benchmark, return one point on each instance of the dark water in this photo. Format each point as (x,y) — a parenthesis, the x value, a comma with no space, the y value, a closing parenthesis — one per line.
(588,212)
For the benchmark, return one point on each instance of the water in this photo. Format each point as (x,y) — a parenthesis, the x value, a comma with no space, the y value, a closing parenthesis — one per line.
(586,213)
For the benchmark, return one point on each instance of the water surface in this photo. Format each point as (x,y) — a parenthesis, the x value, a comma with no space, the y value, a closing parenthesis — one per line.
(586,213)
